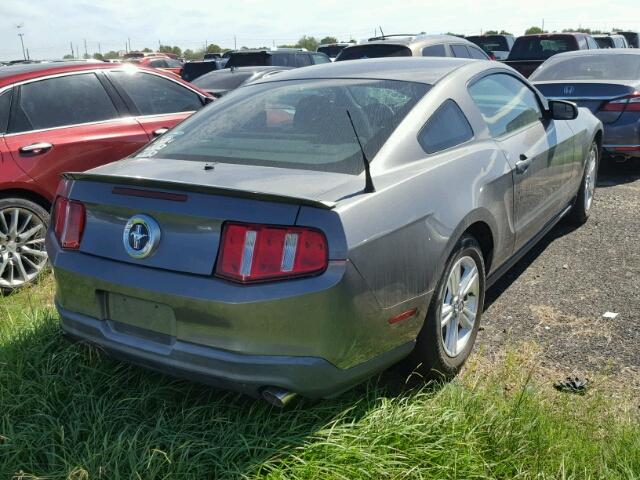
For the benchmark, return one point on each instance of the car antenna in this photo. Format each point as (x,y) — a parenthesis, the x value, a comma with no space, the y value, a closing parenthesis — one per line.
(368,185)
(381,32)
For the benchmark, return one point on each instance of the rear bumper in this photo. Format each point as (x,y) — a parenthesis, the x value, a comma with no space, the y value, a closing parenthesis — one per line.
(622,150)
(311,377)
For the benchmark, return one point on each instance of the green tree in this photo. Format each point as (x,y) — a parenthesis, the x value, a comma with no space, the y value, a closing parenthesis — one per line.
(213,48)
(329,40)
(533,30)
(68,56)
(310,43)
(98,56)
(111,54)
(146,50)
(169,49)
(583,30)
(496,32)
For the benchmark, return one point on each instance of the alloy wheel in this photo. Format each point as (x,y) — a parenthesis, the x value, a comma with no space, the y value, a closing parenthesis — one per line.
(590,178)
(459,309)
(22,252)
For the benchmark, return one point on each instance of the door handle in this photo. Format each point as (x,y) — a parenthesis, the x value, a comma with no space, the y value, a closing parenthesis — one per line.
(36,148)
(160,131)
(522,165)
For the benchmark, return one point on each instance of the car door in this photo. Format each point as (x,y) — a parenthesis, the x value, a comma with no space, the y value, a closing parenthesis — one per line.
(67,123)
(539,150)
(157,102)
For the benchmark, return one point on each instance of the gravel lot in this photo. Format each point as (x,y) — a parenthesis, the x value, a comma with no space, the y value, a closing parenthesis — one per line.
(557,295)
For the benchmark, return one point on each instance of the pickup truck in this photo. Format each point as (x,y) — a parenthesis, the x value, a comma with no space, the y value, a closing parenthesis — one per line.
(530,51)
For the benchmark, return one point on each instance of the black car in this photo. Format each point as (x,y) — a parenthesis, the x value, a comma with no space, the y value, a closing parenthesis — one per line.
(193,70)
(530,51)
(221,82)
(497,46)
(281,57)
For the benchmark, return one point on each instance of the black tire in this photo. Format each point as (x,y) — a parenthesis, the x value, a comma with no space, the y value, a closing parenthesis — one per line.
(429,358)
(581,208)
(40,214)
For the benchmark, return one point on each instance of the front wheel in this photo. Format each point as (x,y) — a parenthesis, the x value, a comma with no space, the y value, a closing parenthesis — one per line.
(22,231)
(453,318)
(584,200)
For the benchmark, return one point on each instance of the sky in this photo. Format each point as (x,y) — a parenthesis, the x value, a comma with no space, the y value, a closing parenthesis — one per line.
(50,26)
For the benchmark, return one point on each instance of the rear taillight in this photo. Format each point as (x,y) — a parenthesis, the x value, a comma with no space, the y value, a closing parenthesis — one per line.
(69,219)
(626,104)
(254,253)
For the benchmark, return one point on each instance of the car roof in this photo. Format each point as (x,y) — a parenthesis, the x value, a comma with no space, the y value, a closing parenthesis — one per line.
(600,51)
(20,72)
(421,39)
(426,70)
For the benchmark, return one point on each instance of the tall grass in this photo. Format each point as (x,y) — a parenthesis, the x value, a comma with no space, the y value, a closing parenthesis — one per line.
(69,412)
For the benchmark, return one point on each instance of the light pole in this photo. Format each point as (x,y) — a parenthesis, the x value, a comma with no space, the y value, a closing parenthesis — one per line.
(24,55)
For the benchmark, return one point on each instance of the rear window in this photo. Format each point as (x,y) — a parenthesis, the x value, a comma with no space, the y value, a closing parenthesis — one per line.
(222,80)
(434,51)
(590,67)
(254,59)
(490,43)
(331,50)
(374,51)
(541,48)
(301,124)
(605,42)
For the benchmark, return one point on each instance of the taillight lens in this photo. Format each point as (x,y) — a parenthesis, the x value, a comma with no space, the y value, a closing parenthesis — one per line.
(254,253)
(626,104)
(69,219)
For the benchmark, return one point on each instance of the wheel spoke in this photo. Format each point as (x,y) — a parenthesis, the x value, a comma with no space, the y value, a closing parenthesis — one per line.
(468,318)
(452,337)
(31,232)
(35,253)
(35,241)
(454,281)
(3,265)
(446,313)
(13,229)
(25,224)
(4,228)
(468,282)
(21,270)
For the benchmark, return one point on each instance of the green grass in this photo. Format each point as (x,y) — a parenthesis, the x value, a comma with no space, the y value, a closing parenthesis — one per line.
(69,412)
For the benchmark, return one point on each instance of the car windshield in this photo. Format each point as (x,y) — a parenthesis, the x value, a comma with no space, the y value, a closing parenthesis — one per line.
(374,51)
(541,48)
(490,42)
(301,124)
(590,67)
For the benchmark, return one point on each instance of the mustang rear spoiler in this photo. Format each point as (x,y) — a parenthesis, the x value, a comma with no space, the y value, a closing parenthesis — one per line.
(189,187)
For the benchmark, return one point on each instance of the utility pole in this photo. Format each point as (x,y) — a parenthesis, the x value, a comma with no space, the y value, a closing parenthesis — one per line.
(28,57)
(159,45)
(72,54)
(77,51)
(206,45)
(543,24)
(86,54)
(129,43)
(99,49)
(235,43)
(22,43)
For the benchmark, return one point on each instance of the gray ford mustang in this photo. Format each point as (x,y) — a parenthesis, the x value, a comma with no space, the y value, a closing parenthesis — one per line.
(311,229)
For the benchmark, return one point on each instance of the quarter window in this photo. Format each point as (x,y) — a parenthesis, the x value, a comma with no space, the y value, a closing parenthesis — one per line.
(320,58)
(5,103)
(303,60)
(434,51)
(477,53)
(62,101)
(506,104)
(446,128)
(460,51)
(155,95)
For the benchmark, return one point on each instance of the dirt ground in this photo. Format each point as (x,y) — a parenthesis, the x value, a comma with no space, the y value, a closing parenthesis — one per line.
(557,295)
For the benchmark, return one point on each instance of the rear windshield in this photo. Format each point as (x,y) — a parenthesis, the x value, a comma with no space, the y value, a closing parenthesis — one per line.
(590,67)
(541,48)
(331,50)
(605,42)
(222,80)
(374,51)
(301,124)
(490,43)
(254,59)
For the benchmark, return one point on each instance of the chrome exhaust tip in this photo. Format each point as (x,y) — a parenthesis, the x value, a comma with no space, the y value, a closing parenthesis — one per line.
(278,397)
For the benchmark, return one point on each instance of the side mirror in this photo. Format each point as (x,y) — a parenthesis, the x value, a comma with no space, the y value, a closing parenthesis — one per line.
(561,110)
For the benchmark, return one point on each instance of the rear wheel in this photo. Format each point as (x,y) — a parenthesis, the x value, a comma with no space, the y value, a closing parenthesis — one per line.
(22,231)
(453,319)
(584,200)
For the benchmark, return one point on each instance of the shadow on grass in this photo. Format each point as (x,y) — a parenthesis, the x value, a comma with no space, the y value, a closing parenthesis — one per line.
(68,406)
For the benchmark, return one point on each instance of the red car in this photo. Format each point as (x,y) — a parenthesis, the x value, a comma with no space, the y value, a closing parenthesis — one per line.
(60,117)
(160,62)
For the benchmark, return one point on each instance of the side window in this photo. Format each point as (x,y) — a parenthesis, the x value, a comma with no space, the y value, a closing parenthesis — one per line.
(282,60)
(582,43)
(303,59)
(476,53)
(5,103)
(155,95)
(320,58)
(62,101)
(506,104)
(171,63)
(434,51)
(460,51)
(446,128)
(592,43)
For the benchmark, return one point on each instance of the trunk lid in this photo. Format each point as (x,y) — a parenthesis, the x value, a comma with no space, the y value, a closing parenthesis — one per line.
(525,67)
(190,205)
(591,95)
